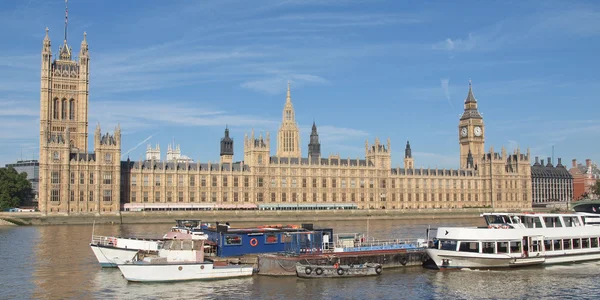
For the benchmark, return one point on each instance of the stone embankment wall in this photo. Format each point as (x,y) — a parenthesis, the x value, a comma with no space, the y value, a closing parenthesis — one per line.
(283,217)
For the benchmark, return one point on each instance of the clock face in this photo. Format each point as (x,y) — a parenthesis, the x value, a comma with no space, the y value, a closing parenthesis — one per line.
(463,131)
(477,131)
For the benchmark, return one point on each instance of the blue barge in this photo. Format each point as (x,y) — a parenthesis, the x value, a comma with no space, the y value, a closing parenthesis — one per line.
(232,241)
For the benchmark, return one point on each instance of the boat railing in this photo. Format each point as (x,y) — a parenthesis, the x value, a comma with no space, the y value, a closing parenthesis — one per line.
(104,240)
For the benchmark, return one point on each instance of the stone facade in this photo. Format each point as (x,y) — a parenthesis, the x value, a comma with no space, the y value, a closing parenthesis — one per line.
(73,181)
(550,183)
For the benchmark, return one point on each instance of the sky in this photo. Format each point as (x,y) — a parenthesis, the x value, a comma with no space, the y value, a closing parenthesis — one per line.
(182,70)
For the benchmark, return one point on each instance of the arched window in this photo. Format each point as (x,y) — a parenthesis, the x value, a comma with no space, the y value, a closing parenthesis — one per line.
(64,109)
(55,108)
(71,109)
(260,159)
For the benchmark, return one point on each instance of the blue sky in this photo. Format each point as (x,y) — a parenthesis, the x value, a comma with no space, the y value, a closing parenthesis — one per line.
(182,70)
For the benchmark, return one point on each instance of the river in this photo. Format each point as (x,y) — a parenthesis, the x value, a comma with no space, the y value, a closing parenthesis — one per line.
(55,262)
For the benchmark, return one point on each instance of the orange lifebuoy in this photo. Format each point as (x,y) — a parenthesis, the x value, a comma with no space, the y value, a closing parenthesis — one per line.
(253,242)
(336,265)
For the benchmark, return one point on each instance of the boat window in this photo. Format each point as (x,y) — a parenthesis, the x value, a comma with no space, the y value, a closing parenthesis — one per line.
(567,244)
(538,222)
(515,247)
(557,245)
(548,245)
(270,238)
(585,243)
(552,222)
(488,247)
(469,247)
(448,245)
(502,247)
(576,244)
(286,238)
(495,219)
(594,242)
(528,222)
(571,221)
(535,246)
(233,240)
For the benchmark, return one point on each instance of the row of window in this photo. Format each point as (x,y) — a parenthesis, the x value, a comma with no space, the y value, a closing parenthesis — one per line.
(283,182)
(106,195)
(304,197)
(106,178)
(496,247)
(61,110)
(268,238)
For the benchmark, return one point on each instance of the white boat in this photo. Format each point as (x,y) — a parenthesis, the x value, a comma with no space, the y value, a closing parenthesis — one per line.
(516,239)
(179,260)
(113,250)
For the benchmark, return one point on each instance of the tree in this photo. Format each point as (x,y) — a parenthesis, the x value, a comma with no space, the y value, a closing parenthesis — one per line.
(595,189)
(14,188)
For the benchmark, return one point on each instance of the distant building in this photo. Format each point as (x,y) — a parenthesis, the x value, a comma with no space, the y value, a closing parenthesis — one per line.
(584,177)
(551,183)
(32,168)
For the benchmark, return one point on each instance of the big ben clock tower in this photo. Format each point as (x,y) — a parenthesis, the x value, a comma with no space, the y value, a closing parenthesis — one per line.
(471,134)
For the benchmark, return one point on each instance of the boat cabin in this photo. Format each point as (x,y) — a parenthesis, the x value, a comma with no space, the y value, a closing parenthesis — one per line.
(506,221)
(232,241)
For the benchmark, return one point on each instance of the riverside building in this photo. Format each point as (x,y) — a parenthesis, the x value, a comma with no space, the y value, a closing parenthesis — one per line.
(76,178)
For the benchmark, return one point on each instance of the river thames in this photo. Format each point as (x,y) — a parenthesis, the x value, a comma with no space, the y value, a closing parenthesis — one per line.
(55,262)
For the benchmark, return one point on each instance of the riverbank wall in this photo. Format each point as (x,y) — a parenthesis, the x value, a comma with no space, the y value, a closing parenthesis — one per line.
(258,216)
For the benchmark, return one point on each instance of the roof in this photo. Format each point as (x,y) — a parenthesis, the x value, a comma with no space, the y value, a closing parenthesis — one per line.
(549,171)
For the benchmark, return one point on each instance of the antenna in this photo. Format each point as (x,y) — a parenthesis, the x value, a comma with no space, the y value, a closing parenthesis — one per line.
(66,18)
(553,154)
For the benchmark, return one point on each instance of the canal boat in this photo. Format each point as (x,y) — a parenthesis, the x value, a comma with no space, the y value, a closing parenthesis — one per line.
(179,260)
(515,240)
(337,270)
(113,250)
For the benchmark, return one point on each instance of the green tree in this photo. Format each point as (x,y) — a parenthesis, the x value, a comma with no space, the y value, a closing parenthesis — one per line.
(14,188)
(596,188)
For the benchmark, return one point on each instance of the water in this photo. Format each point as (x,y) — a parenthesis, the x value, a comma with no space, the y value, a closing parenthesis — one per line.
(55,262)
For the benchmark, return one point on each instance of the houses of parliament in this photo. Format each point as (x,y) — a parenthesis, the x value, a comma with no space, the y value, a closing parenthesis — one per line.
(77,178)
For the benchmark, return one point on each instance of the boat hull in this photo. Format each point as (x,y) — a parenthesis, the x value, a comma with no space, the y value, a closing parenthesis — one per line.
(445,259)
(279,265)
(140,272)
(110,257)
(342,271)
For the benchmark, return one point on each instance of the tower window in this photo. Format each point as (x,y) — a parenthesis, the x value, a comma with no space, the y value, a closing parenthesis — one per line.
(288,115)
(55,109)
(64,109)
(72,109)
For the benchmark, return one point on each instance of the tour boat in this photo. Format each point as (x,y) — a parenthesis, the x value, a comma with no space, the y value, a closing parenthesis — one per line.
(337,270)
(179,260)
(112,250)
(516,239)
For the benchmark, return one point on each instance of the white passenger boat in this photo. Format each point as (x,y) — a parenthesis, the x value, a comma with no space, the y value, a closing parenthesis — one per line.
(179,260)
(113,250)
(516,239)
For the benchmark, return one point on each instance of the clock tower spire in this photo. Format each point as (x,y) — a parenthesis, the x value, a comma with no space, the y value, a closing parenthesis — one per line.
(471,134)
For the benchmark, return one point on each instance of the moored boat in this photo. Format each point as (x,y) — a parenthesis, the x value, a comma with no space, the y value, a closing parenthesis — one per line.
(516,239)
(347,249)
(338,271)
(179,260)
(113,250)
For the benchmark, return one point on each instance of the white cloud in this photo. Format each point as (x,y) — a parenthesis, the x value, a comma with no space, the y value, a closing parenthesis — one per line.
(278,83)
(449,44)
(445,88)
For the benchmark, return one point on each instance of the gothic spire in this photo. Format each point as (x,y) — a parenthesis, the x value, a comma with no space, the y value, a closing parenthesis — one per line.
(407,151)
(288,98)
(66,19)
(470,98)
